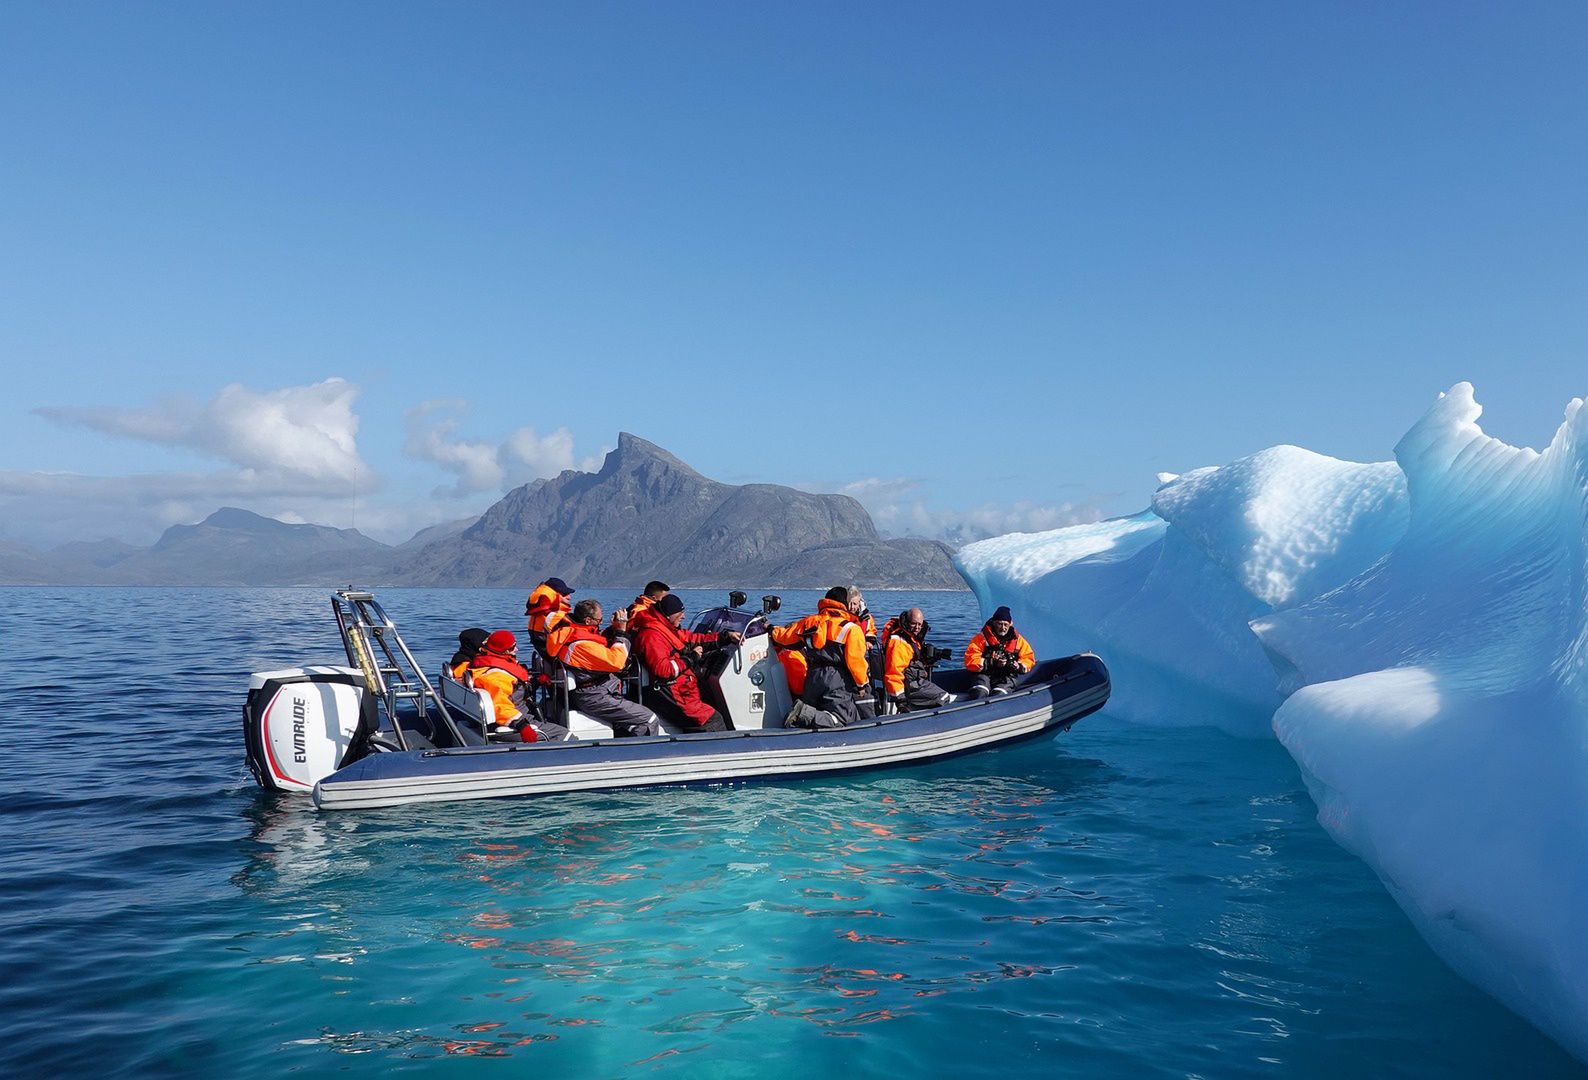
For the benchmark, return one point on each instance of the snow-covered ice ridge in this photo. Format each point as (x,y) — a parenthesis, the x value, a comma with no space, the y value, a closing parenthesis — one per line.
(1413,631)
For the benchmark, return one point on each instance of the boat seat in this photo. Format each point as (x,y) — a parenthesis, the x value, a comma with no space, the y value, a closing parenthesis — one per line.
(466,700)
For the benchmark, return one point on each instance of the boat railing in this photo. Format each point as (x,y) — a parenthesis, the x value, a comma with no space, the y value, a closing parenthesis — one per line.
(374,646)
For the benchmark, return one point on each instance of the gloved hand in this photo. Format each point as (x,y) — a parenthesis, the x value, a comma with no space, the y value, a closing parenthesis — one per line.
(1019,668)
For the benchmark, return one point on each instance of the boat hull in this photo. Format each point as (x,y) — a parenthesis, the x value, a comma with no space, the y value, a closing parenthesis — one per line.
(1079,687)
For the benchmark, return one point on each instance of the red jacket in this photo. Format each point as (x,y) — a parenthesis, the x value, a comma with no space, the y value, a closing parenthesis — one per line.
(658,644)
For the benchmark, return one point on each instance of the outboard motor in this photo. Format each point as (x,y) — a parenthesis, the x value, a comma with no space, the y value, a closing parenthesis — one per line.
(302,724)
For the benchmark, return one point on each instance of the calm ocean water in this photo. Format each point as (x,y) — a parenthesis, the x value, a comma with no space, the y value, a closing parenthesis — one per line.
(1118,901)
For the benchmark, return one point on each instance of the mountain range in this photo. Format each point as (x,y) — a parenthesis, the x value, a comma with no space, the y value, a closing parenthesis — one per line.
(645,514)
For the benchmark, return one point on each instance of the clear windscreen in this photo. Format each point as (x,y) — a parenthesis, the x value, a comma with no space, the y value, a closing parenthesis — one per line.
(716,620)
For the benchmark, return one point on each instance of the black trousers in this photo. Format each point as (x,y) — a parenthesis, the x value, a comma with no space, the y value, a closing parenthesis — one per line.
(922,695)
(999,680)
(827,688)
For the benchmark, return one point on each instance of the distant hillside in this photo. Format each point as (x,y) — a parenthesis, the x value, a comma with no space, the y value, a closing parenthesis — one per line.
(647,514)
(236,547)
(230,547)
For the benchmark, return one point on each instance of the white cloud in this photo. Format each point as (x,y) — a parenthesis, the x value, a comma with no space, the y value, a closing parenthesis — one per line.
(290,453)
(302,438)
(479,466)
(474,464)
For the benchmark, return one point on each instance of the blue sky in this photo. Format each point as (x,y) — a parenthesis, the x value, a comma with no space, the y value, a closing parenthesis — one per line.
(987,266)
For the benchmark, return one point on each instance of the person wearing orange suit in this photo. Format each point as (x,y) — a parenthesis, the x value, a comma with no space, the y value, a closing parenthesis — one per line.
(998,655)
(906,678)
(496,670)
(547,606)
(785,645)
(594,659)
(653,594)
(834,646)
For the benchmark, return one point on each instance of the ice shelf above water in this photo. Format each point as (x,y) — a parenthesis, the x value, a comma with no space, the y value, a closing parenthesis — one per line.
(1413,631)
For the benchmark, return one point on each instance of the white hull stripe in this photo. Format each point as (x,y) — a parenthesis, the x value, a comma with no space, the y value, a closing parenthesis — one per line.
(787,757)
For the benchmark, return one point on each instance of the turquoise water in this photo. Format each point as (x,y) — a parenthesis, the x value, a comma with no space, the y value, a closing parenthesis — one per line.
(1118,901)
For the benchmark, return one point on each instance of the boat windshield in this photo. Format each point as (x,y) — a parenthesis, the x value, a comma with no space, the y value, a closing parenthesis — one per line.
(716,620)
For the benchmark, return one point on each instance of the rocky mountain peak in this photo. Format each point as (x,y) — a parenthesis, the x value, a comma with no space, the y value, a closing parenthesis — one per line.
(634,452)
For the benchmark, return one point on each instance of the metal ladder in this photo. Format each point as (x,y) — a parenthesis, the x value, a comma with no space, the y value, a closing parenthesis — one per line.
(390,670)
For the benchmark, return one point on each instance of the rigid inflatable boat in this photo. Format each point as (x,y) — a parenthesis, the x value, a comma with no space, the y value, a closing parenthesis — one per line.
(379,732)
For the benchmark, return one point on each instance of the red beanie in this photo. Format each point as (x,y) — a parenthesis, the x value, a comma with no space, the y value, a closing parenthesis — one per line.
(501,641)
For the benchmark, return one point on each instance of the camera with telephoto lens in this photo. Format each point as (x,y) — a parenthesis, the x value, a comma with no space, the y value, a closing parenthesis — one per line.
(930,654)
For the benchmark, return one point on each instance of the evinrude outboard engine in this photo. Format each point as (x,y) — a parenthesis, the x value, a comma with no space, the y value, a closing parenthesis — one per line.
(302,724)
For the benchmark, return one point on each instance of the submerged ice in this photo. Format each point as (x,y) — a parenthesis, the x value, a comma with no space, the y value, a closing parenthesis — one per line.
(1413,631)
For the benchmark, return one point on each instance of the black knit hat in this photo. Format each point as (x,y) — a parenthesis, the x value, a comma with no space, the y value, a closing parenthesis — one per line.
(840,593)
(471,639)
(1002,613)
(669,605)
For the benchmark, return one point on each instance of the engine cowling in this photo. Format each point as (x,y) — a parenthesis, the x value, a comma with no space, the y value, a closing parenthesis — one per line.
(302,724)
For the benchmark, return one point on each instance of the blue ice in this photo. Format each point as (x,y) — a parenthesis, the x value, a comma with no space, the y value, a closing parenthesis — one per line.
(1414,633)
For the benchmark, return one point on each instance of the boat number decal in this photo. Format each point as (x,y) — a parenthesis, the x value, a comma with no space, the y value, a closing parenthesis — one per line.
(758,701)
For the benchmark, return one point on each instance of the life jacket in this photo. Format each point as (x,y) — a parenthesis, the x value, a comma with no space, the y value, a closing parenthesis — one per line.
(543,603)
(1010,644)
(826,632)
(563,643)
(989,642)
(502,680)
(901,660)
(500,663)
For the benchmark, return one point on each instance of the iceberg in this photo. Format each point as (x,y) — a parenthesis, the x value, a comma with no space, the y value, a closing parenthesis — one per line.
(1170,594)
(1413,632)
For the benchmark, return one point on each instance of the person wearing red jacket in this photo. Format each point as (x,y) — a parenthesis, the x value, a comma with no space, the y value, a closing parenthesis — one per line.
(594,660)
(664,649)
(834,646)
(998,655)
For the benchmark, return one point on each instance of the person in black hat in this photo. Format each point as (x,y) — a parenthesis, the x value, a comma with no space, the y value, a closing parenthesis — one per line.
(998,655)
(668,652)
(469,644)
